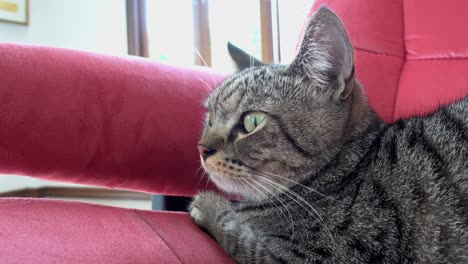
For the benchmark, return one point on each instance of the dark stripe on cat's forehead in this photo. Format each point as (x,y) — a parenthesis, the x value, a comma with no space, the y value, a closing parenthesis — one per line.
(241,81)
(219,91)
(240,99)
(234,87)
(250,81)
(228,92)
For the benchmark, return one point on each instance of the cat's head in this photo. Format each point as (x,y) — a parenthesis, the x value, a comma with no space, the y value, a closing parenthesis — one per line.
(272,125)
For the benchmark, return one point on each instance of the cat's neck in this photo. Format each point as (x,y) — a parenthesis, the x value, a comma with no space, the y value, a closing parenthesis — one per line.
(360,132)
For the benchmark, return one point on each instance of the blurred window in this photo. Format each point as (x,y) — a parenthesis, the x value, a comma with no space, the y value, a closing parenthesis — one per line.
(190,32)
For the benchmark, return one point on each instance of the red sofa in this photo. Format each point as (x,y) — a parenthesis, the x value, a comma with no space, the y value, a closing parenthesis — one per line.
(133,124)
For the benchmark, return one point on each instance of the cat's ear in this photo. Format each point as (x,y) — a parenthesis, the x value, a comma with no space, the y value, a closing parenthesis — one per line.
(326,55)
(241,58)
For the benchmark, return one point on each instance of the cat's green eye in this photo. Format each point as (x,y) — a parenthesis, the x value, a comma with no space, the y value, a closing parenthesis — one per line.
(253,120)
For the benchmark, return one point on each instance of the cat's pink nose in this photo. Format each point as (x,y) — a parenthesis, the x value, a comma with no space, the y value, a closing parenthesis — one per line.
(206,151)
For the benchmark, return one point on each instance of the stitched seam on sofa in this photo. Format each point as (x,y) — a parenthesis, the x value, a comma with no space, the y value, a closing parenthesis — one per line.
(395,99)
(378,53)
(159,235)
(438,59)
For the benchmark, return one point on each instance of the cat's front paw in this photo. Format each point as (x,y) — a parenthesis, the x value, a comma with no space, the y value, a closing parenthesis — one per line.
(206,206)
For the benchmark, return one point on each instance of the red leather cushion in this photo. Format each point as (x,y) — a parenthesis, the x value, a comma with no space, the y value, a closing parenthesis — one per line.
(436,68)
(49,231)
(375,26)
(425,85)
(93,119)
(435,29)
(379,74)
(411,56)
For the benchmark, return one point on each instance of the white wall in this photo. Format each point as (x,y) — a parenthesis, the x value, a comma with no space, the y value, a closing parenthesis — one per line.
(10,183)
(93,25)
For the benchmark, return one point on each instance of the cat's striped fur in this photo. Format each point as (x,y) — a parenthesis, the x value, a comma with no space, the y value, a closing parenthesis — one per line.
(325,180)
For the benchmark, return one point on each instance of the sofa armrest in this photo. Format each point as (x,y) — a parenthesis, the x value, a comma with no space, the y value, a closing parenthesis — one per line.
(79,117)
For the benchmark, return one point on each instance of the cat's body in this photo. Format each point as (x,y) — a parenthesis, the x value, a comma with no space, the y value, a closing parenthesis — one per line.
(346,188)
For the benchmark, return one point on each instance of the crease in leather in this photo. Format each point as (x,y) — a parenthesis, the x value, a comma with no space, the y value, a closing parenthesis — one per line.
(397,93)
(378,53)
(156,232)
(438,59)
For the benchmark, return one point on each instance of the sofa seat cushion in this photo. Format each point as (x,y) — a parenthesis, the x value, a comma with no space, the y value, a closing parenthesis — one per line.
(51,231)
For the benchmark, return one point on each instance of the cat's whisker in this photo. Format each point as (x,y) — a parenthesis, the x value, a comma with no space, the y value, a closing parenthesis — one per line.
(206,84)
(256,190)
(268,199)
(201,176)
(297,199)
(206,65)
(205,175)
(200,56)
(265,196)
(283,189)
(302,202)
(300,184)
(198,182)
(279,199)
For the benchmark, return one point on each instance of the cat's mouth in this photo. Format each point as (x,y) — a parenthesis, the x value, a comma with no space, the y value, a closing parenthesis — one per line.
(231,176)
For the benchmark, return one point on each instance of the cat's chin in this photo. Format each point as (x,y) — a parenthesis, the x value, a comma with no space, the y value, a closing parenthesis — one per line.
(234,187)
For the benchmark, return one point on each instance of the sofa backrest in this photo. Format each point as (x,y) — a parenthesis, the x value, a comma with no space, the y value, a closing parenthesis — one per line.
(411,56)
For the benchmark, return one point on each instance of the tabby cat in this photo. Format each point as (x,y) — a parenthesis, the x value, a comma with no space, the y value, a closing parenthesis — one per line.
(324,179)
